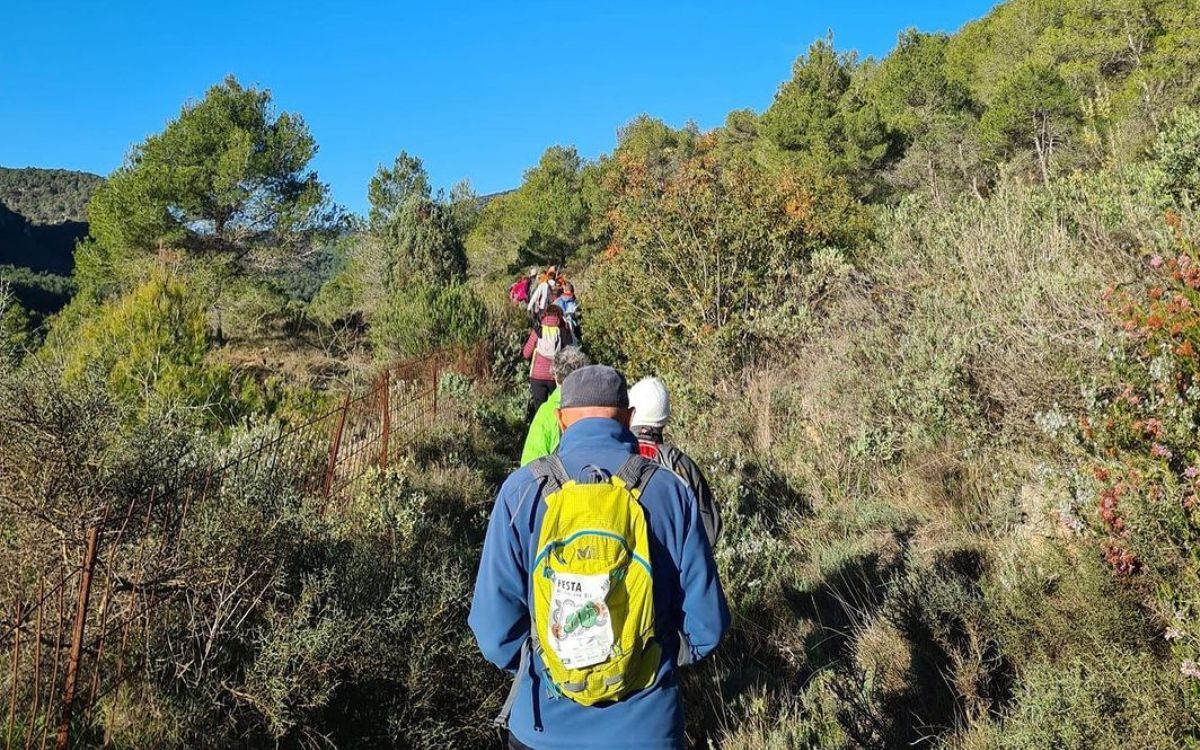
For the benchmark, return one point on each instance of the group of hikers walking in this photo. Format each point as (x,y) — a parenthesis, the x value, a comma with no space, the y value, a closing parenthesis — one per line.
(541,291)
(553,310)
(597,580)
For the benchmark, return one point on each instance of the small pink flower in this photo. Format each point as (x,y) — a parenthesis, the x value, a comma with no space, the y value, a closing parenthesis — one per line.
(1184,261)
(1159,451)
(1189,668)
(1191,472)
(1156,261)
(1173,634)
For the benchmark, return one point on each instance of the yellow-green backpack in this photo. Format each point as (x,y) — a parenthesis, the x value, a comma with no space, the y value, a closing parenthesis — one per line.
(592,585)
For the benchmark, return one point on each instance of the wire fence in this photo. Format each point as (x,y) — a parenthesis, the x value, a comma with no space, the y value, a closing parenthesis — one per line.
(68,633)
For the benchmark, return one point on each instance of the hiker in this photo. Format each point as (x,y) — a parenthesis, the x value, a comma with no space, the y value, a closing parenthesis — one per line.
(651,411)
(590,622)
(543,432)
(545,340)
(540,299)
(570,307)
(519,291)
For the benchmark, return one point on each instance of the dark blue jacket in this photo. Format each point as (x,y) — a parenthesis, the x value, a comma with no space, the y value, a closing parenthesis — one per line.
(687,599)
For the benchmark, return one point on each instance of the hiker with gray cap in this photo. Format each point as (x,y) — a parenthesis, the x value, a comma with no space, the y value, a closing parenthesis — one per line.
(595,569)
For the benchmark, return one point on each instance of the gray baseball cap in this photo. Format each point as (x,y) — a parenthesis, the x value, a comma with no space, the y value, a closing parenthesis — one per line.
(595,385)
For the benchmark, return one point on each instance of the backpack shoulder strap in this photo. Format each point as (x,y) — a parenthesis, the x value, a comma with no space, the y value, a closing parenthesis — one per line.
(636,471)
(668,456)
(550,472)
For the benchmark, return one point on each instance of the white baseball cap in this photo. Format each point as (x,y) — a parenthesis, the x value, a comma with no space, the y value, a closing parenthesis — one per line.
(651,403)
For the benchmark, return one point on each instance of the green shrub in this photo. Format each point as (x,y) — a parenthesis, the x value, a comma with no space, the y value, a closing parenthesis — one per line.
(699,254)
(1175,171)
(147,345)
(14,327)
(422,319)
(1139,440)
(1108,700)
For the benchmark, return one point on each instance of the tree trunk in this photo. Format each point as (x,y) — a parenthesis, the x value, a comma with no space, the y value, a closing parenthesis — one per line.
(1043,145)
(937,196)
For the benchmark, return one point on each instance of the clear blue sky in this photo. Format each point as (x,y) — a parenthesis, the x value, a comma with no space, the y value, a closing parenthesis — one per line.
(477,90)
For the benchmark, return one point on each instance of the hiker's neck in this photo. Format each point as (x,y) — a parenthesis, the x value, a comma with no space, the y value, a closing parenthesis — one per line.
(596,430)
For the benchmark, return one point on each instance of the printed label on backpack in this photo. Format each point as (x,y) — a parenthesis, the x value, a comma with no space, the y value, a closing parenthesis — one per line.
(580,627)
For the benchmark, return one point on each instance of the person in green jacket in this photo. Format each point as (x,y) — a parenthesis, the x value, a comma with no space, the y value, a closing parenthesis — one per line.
(542,439)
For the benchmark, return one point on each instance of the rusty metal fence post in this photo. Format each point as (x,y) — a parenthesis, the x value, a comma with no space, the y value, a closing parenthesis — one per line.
(16,667)
(336,445)
(437,367)
(73,659)
(386,395)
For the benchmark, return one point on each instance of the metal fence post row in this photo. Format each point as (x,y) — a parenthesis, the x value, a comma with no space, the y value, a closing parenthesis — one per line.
(50,645)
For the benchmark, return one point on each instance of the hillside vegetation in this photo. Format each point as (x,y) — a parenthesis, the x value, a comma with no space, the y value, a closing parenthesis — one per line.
(931,325)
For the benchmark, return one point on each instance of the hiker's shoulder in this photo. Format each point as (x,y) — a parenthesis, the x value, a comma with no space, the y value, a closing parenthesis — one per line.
(518,483)
(547,413)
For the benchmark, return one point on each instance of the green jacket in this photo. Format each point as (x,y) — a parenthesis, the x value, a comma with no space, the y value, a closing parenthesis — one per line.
(542,439)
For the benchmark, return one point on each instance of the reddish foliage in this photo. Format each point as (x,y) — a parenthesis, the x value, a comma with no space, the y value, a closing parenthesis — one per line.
(1123,561)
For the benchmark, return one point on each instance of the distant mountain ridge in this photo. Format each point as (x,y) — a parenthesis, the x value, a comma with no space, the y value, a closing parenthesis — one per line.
(48,196)
(43,213)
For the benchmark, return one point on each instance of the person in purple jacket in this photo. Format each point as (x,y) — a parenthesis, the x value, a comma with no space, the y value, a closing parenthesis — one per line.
(691,614)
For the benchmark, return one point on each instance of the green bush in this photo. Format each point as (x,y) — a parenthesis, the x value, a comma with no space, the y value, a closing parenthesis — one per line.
(424,318)
(1108,700)
(1176,167)
(148,344)
(14,327)
(702,252)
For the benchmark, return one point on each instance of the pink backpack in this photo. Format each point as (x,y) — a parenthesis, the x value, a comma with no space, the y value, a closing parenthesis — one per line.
(519,291)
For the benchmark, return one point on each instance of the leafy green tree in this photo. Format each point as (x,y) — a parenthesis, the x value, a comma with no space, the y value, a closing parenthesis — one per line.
(417,232)
(986,51)
(1131,61)
(911,85)
(1166,76)
(932,112)
(553,207)
(823,116)
(741,132)
(654,145)
(700,254)
(1033,111)
(465,207)
(544,221)
(403,273)
(229,177)
(14,327)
